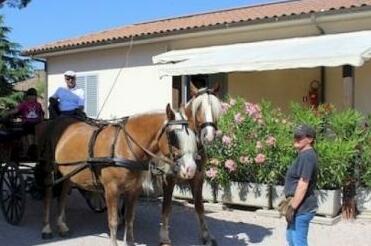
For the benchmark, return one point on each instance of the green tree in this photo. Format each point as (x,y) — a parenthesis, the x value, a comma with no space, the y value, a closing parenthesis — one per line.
(15,3)
(13,67)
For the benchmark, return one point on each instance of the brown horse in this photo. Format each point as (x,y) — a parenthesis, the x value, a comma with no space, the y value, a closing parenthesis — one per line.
(164,138)
(203,111)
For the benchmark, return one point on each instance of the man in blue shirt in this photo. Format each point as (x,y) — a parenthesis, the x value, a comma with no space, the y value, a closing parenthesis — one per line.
(70,99)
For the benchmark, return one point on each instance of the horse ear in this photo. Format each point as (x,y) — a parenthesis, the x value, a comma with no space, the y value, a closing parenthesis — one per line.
(216,88)
(169,112)
(193,88)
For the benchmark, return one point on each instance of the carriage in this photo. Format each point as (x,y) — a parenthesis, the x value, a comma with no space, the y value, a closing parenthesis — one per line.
(113,157)
(18,175)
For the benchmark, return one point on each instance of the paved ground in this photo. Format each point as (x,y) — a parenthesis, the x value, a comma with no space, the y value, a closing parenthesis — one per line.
(229,227)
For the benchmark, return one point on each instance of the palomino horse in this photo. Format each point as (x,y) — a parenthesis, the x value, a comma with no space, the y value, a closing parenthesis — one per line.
(116,159)
(202,111)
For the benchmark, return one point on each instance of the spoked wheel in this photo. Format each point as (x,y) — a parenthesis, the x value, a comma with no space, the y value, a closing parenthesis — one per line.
(95,200)
(12,193)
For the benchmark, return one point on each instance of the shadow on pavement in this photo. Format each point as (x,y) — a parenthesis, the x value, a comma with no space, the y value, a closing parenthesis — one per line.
(92,227)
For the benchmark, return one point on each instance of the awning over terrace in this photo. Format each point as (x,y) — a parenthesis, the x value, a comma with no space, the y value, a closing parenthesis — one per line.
(353,48)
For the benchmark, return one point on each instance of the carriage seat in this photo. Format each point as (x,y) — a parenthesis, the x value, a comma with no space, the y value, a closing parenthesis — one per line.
(10,134)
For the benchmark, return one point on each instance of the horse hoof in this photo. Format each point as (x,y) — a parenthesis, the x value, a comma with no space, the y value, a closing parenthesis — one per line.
(213,242)
(65,233)
(210,242)
(46,235)
(129,244)
(165,243)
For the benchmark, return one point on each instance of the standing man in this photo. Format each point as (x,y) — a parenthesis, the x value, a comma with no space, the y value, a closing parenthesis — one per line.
(70,99)
(300,182)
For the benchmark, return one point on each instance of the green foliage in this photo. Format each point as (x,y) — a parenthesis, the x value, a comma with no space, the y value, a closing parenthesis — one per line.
(365,162)
(335,157)
(41,87)
(13,67)
(15,3)
(255,144)
(11,100)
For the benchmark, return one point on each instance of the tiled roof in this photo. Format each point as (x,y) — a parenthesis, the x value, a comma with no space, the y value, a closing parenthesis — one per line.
(242,15)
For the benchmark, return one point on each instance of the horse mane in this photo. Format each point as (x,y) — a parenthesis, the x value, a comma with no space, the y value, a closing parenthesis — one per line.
(202,101)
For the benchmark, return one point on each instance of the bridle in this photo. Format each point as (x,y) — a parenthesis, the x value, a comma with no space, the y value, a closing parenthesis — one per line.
(171,158)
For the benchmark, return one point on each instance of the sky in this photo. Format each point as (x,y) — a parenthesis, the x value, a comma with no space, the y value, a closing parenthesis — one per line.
(43,21)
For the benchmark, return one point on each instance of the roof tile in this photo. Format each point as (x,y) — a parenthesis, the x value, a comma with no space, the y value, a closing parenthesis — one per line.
(196,21)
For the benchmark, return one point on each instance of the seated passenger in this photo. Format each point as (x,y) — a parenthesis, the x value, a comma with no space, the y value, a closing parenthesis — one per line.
(29,110)
(70,99)
(31,113)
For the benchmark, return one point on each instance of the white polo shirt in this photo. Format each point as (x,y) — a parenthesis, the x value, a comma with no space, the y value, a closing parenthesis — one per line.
(69,99)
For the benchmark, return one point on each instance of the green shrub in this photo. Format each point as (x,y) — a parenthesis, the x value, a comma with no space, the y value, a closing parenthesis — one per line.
(255,144)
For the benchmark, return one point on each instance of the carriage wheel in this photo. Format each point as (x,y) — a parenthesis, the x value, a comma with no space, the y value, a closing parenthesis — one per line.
(12,193)
(95,200)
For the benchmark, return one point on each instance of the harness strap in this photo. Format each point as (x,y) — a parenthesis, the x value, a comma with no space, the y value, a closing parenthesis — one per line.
(161,158)
(113,147)
(93,139)
(69,175)
(205,124)
(104,162)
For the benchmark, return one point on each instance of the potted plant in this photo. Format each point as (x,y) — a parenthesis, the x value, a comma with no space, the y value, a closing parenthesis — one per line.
(363,193)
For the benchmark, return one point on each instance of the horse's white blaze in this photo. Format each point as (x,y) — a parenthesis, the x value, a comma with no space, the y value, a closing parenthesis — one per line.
(210,106)
(208,132)
(187,147)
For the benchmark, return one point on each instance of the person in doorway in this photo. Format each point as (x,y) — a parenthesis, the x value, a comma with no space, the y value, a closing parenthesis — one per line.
(300,183)
(68,100)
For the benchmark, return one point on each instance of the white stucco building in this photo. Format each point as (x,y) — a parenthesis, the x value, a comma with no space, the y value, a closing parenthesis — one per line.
(116,67)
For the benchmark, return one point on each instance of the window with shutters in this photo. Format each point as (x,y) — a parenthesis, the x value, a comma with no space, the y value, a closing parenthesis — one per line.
(89,84)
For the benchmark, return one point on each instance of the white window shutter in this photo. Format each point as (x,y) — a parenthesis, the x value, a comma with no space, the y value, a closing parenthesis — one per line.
(80,82)
(91,95)
(90,86)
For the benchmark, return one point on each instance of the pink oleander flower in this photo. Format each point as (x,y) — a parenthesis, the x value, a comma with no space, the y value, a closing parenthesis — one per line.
(253,110)
(271,141)
(232,101)
(260,159)
(227,140)
(230,165)
(225,107)
(214,162)
(259,145)
(211,173)
(238,118)
(245,160)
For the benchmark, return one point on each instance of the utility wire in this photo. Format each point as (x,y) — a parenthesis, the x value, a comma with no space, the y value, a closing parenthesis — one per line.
(118,75)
